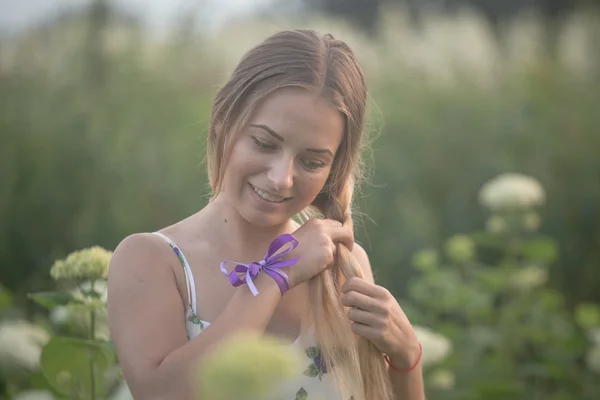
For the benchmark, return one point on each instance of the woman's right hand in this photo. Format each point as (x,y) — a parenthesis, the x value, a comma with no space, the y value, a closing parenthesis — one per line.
(317,247)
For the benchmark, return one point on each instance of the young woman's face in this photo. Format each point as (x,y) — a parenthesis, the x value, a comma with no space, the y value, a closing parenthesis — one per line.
(280,161)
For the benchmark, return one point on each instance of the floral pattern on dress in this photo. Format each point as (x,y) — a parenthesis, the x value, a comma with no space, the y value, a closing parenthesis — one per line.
(193,318)
(318,367)
(301,394)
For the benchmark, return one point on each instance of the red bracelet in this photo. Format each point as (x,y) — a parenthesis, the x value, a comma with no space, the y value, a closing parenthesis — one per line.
(387,358)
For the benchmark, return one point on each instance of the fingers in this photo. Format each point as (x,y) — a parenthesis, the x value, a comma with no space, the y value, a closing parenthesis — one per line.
(340,234)
(359,300)
(364,317)
(329,222)
(364,330)
(364,287)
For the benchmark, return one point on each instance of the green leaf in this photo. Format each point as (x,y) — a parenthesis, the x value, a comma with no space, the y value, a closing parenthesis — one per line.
(92,293)
(312,352)
(587,315)
(50,300)
(66,364)
(311,371)
(541,249)
(5,298)
(301,394)
(426,260)
(486,239)
(196,321)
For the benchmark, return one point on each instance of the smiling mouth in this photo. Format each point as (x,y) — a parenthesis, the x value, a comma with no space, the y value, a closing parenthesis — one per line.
(270,197)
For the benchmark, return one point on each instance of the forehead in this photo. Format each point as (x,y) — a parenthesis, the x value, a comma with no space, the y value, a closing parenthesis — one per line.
(302,117)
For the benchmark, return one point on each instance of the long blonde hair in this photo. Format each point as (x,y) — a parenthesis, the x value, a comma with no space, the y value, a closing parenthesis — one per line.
(327,66)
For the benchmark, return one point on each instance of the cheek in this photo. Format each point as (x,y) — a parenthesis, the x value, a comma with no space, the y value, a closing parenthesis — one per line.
(242,161)
(313,183)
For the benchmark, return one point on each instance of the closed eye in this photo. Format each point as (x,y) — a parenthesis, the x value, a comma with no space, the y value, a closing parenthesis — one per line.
(263,145)
(314,164)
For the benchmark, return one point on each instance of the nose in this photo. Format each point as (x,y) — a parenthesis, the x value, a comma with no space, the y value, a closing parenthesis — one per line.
(281,173)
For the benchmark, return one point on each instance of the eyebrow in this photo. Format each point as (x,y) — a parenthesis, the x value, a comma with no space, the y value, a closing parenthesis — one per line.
(280,138)
(268,130)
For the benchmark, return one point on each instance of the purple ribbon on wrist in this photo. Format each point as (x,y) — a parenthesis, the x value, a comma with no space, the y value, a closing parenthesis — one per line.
(271,264)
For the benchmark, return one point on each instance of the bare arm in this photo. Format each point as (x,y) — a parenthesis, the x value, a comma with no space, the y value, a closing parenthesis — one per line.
(146,314)
(407,386)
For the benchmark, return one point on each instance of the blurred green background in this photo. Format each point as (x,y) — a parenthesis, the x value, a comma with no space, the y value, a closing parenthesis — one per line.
(102,134)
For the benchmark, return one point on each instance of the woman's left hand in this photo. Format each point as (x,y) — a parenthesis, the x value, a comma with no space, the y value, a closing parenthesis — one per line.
(376,315)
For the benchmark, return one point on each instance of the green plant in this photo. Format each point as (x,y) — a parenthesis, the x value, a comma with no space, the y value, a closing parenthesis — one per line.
(247,366)
(83,365)
(513,337)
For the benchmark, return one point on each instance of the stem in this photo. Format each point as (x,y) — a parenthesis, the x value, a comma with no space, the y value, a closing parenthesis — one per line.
(92,337)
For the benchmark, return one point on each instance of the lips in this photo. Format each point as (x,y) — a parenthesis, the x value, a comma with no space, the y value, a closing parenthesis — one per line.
(268,196)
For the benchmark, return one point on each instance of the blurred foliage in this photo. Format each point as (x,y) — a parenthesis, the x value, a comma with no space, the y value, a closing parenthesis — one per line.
(366,15)
(512,334)
(77,361)
(102,135)
(248,367)
(92,151)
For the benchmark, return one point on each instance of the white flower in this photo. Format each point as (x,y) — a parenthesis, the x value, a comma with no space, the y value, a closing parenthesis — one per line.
(246,366)
(496,224)
(594,336)
(78,315)
(99,287)
(59,315)
(425,260)
(435,346)
(460,248)
(20,346)
(593,359)
(531,221)
(80,319)
(511,191)
(442,379)
(35,395)
(86,264)
(529,278)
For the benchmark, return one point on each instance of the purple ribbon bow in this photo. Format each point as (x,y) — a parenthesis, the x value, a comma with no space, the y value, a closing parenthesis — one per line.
(245,273)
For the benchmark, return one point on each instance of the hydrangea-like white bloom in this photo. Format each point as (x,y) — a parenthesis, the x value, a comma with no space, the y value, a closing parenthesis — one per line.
(247,367)
(531,221)
(594,336)
(99,287)
(593,358)
(442,379)
(59,315)
(529,278)
(496,224)
(20,346)
(512,191)
(460,248)
(87,264)
(435,346)
(35,395)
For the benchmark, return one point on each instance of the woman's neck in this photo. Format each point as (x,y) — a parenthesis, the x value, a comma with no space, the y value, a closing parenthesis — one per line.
(227,225)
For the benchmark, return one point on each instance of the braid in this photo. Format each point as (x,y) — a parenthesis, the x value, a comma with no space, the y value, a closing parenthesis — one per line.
(350,357)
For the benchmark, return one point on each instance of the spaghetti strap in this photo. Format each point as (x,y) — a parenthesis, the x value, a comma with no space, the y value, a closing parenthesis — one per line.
(189,277)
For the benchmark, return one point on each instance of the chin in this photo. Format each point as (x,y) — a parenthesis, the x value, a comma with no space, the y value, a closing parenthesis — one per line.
(262,214)
(262,219)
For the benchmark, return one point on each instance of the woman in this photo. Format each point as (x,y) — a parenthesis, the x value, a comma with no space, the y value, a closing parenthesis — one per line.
(284,141)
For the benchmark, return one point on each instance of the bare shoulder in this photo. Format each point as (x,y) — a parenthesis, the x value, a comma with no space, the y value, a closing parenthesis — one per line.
(138,244)
(363,259)
(140,254)
(142,292)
